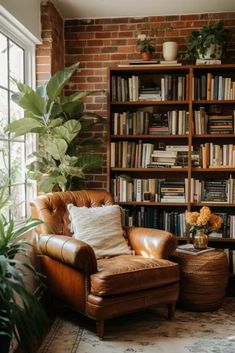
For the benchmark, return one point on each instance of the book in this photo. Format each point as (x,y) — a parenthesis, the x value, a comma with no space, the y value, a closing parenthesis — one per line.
(207,61)
(189,249)
(168,61)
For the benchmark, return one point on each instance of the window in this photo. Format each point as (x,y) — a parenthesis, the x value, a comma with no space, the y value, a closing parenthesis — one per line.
(13,151)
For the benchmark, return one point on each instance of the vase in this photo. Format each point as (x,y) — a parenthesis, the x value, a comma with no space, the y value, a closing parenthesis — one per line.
(200,240)
(213,52)
(169,51)
(146,56)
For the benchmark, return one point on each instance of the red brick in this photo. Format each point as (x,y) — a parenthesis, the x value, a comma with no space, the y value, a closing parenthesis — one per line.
(95,43)
(118,57)
(109,49)
(102,35)
(94,28)
(125,34)
(87,35)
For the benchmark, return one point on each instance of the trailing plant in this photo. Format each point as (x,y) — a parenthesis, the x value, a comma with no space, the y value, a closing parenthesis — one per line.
(21,315)
(201,40)
(57,120)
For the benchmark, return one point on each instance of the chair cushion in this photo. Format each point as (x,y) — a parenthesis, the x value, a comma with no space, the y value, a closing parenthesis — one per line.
(101,228)
(126,273)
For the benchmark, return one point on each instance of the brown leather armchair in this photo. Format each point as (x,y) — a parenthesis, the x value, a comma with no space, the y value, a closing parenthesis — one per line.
(105,288)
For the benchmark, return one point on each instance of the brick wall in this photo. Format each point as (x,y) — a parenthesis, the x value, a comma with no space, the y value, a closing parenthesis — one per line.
(50,54)
(99,43)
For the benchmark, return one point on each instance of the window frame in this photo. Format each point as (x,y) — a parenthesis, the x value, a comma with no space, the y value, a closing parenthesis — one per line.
(19,35)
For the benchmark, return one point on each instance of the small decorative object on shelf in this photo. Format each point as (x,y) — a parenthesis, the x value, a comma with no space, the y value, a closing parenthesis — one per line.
(201,224)
(145,46)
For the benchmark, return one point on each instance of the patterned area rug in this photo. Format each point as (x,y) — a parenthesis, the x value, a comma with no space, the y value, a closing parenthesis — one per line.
(146,332)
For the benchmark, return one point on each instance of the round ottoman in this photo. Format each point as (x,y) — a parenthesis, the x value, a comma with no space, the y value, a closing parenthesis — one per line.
(203,281)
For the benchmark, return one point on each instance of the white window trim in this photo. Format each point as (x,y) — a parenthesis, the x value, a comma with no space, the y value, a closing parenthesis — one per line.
(13,29)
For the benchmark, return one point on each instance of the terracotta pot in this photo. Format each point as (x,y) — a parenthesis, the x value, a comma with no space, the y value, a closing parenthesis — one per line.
(146,56)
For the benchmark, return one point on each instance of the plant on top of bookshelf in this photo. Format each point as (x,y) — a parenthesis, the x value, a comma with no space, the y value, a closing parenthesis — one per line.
(145,46)
(208,43)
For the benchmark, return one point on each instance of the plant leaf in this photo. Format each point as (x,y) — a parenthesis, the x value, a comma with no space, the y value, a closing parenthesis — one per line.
(58,81)
(32,102)
(23,126)
(56,148)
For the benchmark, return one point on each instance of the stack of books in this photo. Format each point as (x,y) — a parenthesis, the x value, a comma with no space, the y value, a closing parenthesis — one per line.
(221,124)
(150,94)
(214,190)
(170,63)
(172,191)
(189,249)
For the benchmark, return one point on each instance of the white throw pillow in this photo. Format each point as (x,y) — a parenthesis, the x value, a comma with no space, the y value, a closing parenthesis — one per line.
(100,227)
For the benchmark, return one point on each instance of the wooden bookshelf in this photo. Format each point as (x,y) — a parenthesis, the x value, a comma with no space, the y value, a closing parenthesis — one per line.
(184,93)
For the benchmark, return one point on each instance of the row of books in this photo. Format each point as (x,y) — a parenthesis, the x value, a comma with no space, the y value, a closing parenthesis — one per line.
(213,87)
(127,189)
(213,124)
(169,87)
(151,217)
(127,154)
(213,155)
(174,222)
(213,190)
(174,122)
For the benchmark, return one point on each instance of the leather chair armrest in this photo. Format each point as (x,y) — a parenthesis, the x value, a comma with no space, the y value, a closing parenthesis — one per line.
(154,243)
(69,251)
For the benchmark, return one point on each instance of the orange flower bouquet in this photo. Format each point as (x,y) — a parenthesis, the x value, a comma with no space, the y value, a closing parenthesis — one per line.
(204,220)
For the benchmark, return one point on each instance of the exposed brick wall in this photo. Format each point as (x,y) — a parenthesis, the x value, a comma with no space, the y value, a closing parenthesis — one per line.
(50,54)
(100,43)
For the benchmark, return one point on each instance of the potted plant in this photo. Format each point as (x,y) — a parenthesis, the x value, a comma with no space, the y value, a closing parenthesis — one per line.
(62,159)
(208,43)
(145,46)
(201,224)
(21,314)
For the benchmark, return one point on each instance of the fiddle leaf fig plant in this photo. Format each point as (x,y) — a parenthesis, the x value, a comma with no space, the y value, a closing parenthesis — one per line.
(57,120)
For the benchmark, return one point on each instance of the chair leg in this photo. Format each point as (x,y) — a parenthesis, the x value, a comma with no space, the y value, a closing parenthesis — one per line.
(171,311)
(100,328)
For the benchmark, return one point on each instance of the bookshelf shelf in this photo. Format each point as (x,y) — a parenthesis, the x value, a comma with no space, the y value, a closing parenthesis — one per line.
(214,136)
(213,102)
(158,170)
(150,137)
(172,116)
(152,103)
(149,203)
(213,204)
(214,169)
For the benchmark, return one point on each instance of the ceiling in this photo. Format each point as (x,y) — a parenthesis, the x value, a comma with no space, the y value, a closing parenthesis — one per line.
(139,8)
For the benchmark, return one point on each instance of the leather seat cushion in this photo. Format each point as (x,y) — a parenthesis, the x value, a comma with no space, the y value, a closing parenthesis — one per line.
(126,273)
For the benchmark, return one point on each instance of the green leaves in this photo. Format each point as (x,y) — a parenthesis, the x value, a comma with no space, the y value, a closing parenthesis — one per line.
(23,126)
(50,181)
(58,81)
(31,101)
(57,121)
(56,148)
